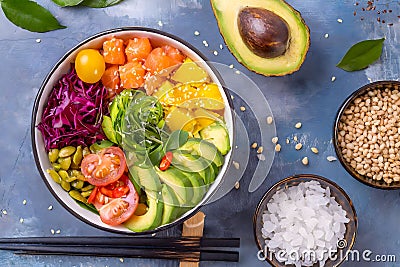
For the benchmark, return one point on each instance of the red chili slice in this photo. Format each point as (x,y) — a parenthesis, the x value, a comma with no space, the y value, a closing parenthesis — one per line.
(166,161)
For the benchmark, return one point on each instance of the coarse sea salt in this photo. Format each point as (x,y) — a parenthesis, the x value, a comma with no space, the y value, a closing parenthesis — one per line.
(303,220)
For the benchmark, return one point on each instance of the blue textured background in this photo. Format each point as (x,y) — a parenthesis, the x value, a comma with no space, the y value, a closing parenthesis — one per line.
(308,96)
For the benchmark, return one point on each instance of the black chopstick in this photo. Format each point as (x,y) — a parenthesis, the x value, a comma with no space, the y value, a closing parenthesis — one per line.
(138,242)
(190,255)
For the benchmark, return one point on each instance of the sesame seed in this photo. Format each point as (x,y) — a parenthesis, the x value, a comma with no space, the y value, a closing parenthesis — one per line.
(278,147)
(205,43)
(326,35)
(231,66)
(160,23)
(50,207)
(242,108)
(196,33)
(305,161)
(331,158)
(260,150)
(314,150)
(254,145)
(237,185)
(38,40)
(121,259)
(269,119)
(339,20)
(58,231)
(21,220)
(237,72)
(333,78)
(295,138)
(24,202)
(287,141)
(221,46)
(232,97)
(215,53)
(298,125)
(4,212)
(52,231)
(275,139)
(236,165)
(298,146)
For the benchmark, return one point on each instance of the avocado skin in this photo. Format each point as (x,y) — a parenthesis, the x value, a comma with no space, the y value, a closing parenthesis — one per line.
(248,62)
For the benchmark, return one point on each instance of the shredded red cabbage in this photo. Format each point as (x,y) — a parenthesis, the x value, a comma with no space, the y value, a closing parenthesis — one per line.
(73,113)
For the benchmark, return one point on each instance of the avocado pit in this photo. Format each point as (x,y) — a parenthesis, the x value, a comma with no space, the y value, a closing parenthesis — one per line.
(265,33)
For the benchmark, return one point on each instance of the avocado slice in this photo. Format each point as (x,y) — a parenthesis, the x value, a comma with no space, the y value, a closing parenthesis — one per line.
(204,149)
(185,161)
(217,134)
(151,219)
(179,183)
(171,204)
(215,171)
(199,187)
(146,177)
(276,47)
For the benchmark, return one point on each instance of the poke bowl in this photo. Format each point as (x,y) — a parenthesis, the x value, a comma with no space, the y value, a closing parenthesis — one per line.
(132,130)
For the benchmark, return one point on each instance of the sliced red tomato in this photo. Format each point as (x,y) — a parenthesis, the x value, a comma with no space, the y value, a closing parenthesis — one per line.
(138,49)
(120,209)
(105,167)
(93,195)
(116,189)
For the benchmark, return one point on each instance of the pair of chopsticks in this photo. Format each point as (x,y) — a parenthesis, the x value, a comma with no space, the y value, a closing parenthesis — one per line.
(190,249)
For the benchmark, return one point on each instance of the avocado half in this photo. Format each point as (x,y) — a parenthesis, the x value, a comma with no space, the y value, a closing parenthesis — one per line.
(268,37)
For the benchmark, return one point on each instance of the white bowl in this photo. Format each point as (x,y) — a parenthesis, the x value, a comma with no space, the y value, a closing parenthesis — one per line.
(157,38)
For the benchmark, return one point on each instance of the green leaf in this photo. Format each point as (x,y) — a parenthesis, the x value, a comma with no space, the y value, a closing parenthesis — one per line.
(88,207)
(100,3)
(96,147)
(65,3)
(30,16)
(361,55)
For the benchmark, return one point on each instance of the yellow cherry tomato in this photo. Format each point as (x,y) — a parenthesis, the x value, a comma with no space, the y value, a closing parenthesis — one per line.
(90,65)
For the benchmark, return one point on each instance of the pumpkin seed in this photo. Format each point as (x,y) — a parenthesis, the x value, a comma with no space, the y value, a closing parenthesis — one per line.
(66,151)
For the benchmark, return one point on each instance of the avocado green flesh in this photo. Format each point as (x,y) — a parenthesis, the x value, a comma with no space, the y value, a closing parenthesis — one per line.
(188,162)
(171,205)
(179,183)
(150,220)
(199,187)
(146,177)
(226,13)
(218,135)
(204,149)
